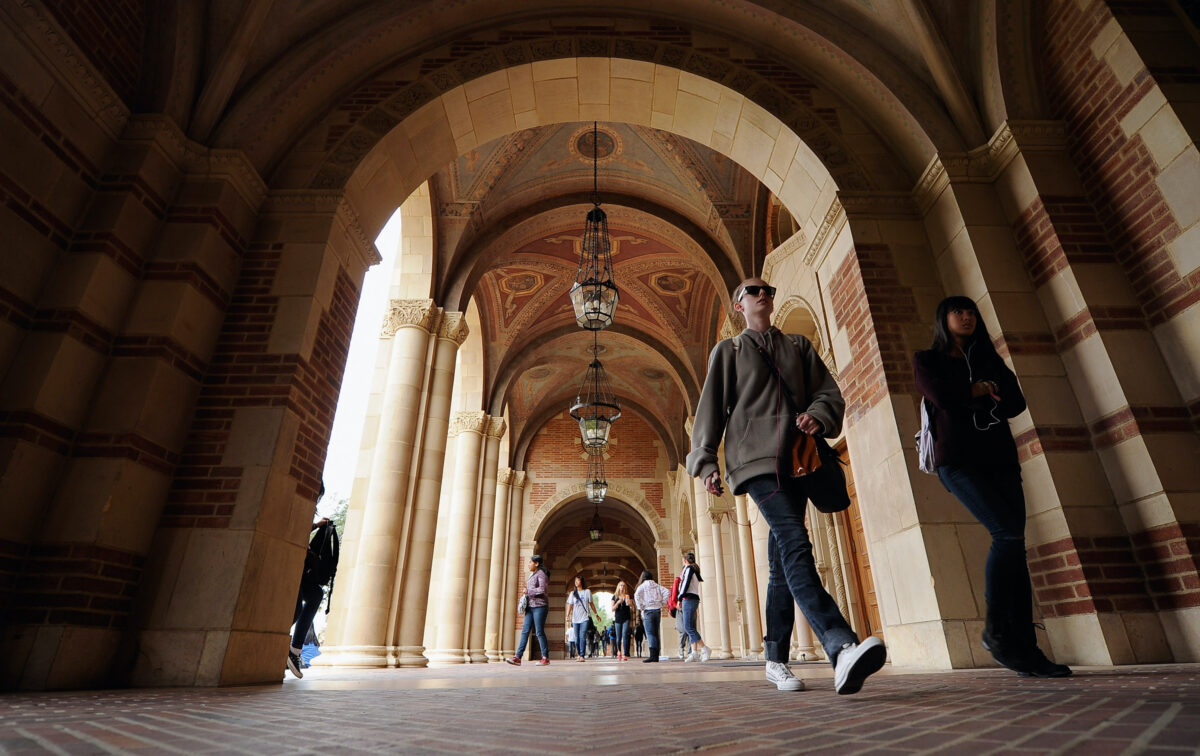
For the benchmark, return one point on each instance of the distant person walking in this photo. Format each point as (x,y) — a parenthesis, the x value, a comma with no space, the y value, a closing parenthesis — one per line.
(650,598)
(622,610)
(974,394)
(580,608)
(320,568)
(745,403)
(639,634)
(536,608)
(688,600)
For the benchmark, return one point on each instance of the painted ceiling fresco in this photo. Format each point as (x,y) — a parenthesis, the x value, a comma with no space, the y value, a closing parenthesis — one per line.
(510,220)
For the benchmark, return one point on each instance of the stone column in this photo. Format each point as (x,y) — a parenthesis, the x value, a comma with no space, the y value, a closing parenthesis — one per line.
(414,596)
(751,614)
(467,429)
(512,572)
(483,565)
(722,595)
(493,640)
(364,640)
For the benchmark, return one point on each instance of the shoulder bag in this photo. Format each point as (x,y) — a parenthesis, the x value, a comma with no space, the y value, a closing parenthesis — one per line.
(811,457)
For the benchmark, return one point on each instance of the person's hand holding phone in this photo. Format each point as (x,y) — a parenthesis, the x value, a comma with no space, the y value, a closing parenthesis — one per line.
(712,484)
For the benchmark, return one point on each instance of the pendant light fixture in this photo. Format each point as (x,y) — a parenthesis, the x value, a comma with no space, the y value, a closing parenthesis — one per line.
(596,405)
(594,295)
(596,486)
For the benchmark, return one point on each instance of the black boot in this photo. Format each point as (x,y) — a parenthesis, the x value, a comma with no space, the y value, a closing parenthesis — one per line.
(998,639)
(653,657)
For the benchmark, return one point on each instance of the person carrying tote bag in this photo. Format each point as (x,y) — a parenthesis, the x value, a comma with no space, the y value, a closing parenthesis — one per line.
(744,404)
(535,609)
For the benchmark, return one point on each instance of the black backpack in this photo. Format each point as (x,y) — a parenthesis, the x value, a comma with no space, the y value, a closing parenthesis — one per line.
(320,563)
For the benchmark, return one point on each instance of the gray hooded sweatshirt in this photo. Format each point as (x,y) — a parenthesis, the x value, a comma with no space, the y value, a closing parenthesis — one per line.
(743,402)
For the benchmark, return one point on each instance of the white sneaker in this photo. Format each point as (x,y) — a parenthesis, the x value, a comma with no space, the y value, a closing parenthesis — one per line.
(692,657)
(778,673)
(705,653)
(856,662)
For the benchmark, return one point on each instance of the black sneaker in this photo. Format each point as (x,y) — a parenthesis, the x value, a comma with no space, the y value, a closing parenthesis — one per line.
(1037,665)
(293,664)
(1005,657)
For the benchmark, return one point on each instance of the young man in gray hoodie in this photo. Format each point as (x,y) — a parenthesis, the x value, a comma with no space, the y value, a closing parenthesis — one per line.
(744,402)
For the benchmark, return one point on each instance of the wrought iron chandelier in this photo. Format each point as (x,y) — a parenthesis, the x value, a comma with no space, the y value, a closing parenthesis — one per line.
(596,486)
(596,531)
(594,295)
(596,405)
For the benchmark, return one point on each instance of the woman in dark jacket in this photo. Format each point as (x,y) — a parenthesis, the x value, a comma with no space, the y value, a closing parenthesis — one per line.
(974,394)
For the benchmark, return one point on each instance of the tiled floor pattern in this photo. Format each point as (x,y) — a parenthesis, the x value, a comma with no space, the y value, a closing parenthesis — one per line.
(611,708)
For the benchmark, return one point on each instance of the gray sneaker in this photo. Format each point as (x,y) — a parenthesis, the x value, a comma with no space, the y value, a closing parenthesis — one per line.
(856,662)
(781,675)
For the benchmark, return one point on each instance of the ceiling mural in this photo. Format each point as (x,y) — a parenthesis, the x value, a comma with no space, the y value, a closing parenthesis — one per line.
(509,220)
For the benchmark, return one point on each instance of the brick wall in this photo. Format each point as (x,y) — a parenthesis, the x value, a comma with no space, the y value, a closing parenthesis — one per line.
(110,33)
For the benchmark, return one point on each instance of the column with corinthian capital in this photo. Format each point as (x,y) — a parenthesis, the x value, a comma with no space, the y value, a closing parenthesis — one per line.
(414,588)
(453,602)
(751,611)
(493,636)
(482,560)
(512,571)
(363,640)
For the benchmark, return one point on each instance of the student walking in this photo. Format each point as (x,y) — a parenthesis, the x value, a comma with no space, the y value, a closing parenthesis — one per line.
(974,394)
(639,634)
(536,608)
(688,600)
(743,402)
(650,598)
(622,610)
(580,608)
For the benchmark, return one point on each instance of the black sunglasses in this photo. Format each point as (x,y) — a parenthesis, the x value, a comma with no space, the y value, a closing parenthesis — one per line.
(754,289)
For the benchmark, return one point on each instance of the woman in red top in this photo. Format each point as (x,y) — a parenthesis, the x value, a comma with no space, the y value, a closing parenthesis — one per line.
(974,394)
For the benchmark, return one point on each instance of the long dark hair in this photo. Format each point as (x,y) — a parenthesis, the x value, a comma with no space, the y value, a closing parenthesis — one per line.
(646,575)
(690,558)
(582,581)
(537,559)
(943,341)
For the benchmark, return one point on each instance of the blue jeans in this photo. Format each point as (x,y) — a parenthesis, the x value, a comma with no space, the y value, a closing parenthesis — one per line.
(622,629)
(535,618)
(995,498)
(650,618)
(689,607)
(580,637)
(792,574)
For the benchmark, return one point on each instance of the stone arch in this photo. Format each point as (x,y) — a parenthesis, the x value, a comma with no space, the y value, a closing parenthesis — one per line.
(628,544)
(631,497)
(796,315)
(413,279)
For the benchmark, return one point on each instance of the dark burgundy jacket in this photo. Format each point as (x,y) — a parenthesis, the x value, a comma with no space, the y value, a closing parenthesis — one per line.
(957,418)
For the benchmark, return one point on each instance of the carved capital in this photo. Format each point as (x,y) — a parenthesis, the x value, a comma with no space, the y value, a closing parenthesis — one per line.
(504,476)
(519,477)
(454,328)
(417,313)
(496,427)
(470,421)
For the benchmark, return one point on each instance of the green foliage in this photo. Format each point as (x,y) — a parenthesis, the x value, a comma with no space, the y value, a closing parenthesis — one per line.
(338,517)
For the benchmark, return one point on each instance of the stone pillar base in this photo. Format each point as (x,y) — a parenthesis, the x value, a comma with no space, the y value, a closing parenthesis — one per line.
(352,656)
(721,655)
(477,656)
(407,657)
(495,655)
(445,657)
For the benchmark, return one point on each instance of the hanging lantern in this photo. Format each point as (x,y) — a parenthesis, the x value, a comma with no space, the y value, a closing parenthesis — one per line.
(596,531)
(595,406)
(594,295)
(596,486)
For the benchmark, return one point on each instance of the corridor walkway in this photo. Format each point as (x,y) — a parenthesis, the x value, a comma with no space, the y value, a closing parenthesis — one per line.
(611,708)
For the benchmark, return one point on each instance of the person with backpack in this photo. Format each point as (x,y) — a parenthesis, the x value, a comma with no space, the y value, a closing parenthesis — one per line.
(745,402)
(320,567)
(974,394)
(579,609)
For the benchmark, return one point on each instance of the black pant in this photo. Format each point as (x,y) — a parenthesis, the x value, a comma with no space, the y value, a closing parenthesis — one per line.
(307,604)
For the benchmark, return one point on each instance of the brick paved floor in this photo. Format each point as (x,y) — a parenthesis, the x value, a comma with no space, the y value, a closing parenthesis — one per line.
(629,708)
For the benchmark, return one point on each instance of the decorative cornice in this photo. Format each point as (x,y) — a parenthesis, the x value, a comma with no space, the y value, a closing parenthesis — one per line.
(878,204)
(504,476)
(368,253)
(782,252)
(984,164)
(519,477)
(831,224)
(75,73)
(416,313)
(194,159)
(468,421)
(454,327)
(496,427)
